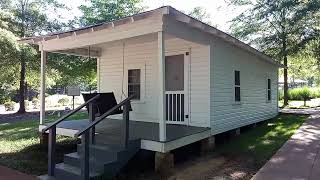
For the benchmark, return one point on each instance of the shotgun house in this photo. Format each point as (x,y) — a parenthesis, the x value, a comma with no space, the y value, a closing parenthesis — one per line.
(176,80)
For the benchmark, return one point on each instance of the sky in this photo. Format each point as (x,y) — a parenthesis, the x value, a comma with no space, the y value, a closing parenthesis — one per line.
(220,12)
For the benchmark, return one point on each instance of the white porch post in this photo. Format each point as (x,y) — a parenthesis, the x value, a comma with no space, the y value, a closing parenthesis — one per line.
(162,108)
(43,86)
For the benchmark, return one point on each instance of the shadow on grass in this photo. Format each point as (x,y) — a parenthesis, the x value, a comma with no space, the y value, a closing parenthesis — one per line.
(33,159)
(260,143)
(20,147)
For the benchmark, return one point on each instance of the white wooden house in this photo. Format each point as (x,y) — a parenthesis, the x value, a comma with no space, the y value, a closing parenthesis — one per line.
(192,81)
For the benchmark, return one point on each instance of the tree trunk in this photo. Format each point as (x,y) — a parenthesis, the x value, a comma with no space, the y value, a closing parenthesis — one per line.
(22,108)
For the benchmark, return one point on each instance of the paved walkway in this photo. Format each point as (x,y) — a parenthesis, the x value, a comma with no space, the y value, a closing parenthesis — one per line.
(298,158)
(309,111)
(9,174)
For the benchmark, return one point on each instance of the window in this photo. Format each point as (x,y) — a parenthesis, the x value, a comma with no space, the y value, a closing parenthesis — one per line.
(237,86)
(134,83)
(269,90)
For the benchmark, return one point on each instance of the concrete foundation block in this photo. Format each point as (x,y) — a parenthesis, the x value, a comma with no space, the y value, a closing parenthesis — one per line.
(164,164)
(254,125)
(237,132)
(207,144)
(44,139)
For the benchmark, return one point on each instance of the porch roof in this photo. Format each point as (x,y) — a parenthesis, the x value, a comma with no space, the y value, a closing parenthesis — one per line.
(167,11)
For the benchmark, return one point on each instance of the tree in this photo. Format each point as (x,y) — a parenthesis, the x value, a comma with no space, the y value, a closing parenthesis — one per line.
(99,11)
(200,14)
(28,19)
(73,70)
(280,28)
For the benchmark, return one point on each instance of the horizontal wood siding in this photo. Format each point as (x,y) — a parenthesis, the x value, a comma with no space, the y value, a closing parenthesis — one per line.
(199,82)
(254,107)
(144,55)
(113,75)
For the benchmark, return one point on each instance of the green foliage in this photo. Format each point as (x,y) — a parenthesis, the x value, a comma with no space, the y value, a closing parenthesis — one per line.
(73,70)
(63,101)
(201,14)
(9,105)
(280,95)
(99,11)
(302,94)
(280,28)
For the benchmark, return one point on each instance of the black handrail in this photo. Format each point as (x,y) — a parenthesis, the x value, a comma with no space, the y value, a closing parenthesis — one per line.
(69,114)
(103,116)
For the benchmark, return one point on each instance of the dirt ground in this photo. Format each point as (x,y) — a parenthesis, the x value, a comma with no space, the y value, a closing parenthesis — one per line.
(206,167)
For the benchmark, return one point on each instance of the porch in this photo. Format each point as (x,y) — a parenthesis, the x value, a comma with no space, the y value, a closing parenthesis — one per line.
(111,131)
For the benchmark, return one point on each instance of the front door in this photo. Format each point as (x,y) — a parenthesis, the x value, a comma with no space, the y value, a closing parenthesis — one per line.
(176,84)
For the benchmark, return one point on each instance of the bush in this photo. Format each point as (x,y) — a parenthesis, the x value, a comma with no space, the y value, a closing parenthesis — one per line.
(4,97)
(315,92)
(63,101)
(9,105)
(301,94)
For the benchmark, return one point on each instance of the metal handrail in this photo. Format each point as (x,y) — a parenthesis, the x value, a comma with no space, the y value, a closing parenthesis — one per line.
(70,113)
(103,116)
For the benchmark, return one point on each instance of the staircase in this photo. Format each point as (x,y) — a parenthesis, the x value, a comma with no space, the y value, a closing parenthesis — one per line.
(106,160)
(91,160)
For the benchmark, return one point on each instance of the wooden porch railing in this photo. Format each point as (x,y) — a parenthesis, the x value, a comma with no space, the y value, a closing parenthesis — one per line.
(53,133)
(85,133)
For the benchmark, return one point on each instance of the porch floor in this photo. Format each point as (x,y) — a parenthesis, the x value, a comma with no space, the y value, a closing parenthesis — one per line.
(112,130)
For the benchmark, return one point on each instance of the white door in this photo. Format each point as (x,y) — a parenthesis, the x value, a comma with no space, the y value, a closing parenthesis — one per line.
(176,84)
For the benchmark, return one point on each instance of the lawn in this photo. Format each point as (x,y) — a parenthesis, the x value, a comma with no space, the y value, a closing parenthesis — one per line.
(260,143)
(20,148)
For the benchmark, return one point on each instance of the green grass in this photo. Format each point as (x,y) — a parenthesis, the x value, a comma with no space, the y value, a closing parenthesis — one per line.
(260,143)
(20,147)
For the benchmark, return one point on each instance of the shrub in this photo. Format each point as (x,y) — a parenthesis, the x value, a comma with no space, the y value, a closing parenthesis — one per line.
(302,94)
(9,105)
(315,92)
(4,97)
(64,101)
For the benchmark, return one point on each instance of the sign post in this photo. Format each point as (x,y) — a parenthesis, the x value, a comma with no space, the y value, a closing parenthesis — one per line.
(73,91)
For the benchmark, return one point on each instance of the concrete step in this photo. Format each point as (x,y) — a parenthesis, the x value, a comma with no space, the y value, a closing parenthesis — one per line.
(96,163)
(67,172)
(46,177)
(106,160)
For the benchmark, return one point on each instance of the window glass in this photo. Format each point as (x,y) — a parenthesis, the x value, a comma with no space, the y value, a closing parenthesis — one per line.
(237,91)
(269,90)
(134,84)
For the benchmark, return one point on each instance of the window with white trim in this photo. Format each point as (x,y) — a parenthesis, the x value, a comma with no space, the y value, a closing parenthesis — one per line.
(237,92)
(269,90)
(134,83)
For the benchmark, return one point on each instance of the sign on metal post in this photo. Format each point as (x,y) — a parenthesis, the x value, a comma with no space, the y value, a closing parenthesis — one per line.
(73,91)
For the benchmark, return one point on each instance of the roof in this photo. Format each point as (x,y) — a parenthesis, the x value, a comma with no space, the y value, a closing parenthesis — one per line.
(165,10)
(292,80)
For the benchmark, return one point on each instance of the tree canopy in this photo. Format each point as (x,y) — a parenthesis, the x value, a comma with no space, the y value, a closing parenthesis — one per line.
(280,28)
(99,11)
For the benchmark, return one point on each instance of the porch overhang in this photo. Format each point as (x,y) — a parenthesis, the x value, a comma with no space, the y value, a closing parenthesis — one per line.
(165,19)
